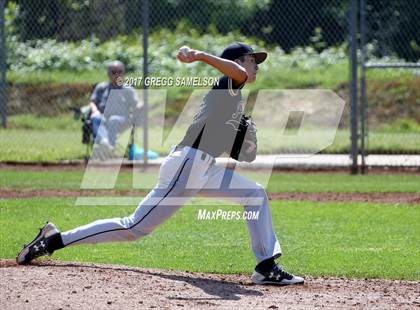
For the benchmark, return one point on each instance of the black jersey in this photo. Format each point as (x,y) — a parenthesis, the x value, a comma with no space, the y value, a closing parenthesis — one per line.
(213,127)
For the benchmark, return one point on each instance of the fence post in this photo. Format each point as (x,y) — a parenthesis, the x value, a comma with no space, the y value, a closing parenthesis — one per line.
(362,83)
(3,68)
(353,85)
(145,24)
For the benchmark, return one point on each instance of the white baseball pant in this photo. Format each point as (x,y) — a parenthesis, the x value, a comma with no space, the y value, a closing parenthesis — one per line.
(185,173)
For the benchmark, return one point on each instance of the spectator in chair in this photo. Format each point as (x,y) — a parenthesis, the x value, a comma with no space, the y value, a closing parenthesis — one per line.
(113,107)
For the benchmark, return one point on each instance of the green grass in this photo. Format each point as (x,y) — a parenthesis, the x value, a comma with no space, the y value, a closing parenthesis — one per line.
(278,76)
(279,182)
(31,138)
(56,76)
(354,240)
(35,122)
(40,145)
(327,76)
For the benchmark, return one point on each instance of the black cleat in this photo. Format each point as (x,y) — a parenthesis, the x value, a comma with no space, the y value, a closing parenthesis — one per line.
(276,276)
(38,246)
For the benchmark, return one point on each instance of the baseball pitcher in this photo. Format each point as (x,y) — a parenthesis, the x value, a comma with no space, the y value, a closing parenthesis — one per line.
(218,128)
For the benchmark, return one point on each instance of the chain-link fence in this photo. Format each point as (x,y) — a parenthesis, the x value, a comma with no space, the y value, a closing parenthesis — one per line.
(390,76)
(56,52)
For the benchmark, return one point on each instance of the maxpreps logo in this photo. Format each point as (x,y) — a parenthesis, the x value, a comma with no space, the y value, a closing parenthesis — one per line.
(219,214)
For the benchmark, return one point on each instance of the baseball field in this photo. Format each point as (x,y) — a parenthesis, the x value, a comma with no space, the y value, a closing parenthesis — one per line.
(355,239)
(339,79)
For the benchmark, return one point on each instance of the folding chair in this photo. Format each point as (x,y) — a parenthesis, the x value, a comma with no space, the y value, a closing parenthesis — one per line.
(83,114)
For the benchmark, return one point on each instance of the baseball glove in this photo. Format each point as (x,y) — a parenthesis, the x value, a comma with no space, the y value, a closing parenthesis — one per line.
(246,131)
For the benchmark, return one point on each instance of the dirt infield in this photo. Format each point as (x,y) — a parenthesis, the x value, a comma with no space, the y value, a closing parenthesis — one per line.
(393,198)
(60,285)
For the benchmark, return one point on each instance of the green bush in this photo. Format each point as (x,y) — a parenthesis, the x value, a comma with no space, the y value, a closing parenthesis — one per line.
(90,55)
(49,54)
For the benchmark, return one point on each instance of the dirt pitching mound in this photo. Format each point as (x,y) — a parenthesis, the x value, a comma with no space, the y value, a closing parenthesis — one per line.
(61,285)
